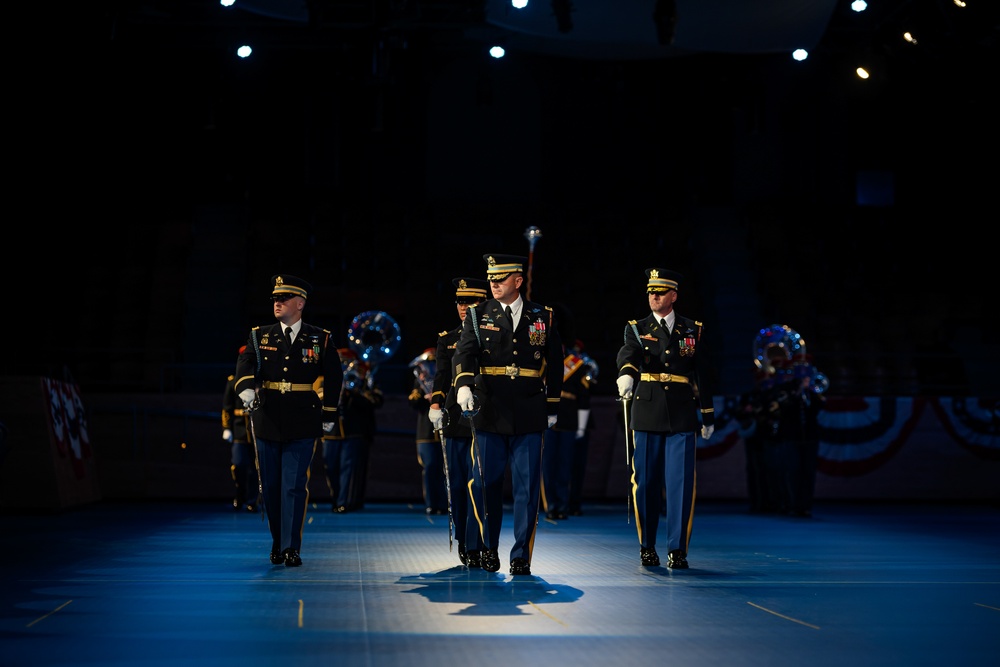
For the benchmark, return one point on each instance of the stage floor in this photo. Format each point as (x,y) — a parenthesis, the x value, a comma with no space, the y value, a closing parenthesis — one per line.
(190,583)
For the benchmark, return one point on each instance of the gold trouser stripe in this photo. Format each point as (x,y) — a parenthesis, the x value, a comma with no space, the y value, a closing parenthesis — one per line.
(287,386)
(663,377)
(512,371)
(566,394)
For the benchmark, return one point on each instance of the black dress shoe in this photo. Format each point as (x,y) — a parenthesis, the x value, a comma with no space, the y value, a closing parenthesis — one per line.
(490,560)
(462,555)
(519,566)
(292,558)
(677,560)
(475,560)
(649,557)
(277,558)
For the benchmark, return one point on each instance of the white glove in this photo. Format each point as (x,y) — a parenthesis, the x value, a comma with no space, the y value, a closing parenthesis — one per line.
(328,427)
(227,435)
(625,383)
(437,419)
(464,398)
(552,419)
(707,431)
(581,423)
(247,396)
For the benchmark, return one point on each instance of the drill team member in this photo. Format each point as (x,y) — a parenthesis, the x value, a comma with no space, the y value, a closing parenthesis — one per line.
(509,371)
(275,377)
(661,368)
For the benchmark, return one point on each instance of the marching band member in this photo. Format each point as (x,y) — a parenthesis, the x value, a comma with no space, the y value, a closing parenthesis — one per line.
(561,440)
(429,454)
(345,448)
(243,466)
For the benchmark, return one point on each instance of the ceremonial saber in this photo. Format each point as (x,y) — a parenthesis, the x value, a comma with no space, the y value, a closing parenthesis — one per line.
(447,486)
(532,234)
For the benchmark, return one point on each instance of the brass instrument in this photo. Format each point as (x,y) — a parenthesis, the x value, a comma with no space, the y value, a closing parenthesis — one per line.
(781,345)
(374,336)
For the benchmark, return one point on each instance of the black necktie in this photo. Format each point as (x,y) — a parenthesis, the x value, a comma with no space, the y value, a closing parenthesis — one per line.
(510,315)
(663,323)
(288,335)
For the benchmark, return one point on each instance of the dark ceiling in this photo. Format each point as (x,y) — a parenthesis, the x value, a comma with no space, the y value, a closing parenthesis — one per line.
(595,29)
(173,169)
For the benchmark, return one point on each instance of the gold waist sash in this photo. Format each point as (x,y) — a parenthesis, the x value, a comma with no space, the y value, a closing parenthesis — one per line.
(664,377)
(511,371)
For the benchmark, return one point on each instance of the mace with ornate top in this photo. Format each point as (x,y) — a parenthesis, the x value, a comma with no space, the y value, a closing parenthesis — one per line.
(532,234)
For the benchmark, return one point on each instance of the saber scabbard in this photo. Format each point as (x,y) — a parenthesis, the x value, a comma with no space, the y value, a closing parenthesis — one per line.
(628,461)
(471,415)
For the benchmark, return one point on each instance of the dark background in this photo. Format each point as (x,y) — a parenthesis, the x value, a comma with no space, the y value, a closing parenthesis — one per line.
(157,182)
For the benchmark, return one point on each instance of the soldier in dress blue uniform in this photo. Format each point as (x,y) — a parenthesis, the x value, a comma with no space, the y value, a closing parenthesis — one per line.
(508,371)
(456,431)
(275,378)
(662,369)
(243,464)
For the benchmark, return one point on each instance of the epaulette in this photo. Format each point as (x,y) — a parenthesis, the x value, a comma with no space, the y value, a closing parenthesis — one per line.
(230,378)
(698,324)
(255,328)
(632,322)
(443,333)
(547,307)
